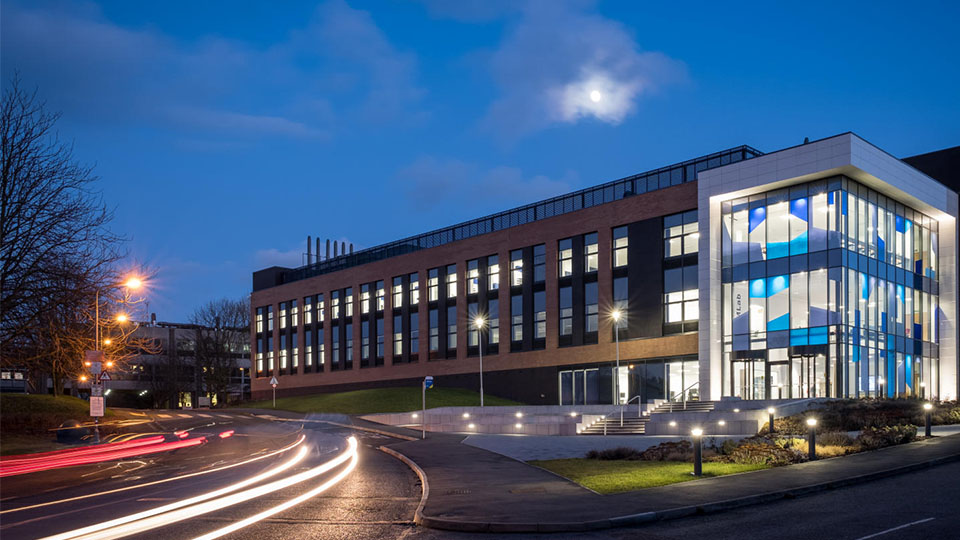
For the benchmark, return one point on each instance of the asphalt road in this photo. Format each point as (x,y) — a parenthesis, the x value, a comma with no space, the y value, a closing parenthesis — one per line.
(379,497)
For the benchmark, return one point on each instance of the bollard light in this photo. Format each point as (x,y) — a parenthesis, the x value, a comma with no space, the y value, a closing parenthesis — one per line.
(697,451)
(466,415)
(928,412)
(770,411)
(736,410)
(812,438)
(519,414)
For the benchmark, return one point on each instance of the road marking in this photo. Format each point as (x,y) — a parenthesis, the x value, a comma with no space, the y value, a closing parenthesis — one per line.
(164,416)
(202,415)
(904,526)
(184,415)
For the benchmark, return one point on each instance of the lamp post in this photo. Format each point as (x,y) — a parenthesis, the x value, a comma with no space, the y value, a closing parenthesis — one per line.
(479,322)
(770,411)
(616,378)
(928,411)
(812,438)
(880,392)
(697,451)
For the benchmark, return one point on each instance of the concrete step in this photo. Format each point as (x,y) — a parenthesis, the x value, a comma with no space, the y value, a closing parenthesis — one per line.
(632,425)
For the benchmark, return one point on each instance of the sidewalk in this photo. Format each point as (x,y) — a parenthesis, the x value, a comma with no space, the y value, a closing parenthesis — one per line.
(470,489)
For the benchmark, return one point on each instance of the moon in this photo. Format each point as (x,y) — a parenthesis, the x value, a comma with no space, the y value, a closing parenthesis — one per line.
(596,96)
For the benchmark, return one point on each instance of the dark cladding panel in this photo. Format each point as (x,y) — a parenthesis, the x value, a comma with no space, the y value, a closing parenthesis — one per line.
(645,274)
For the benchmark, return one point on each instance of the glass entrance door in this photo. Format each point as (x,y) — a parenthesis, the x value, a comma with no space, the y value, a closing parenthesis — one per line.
(749,379)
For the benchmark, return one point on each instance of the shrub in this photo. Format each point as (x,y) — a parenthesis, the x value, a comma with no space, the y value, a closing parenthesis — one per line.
(669,451)
(835,438)
(761,452)
(879,437)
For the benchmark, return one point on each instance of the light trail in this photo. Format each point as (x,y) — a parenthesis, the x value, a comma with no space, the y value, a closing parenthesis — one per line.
(298,457)
(163,481)
(168,518)
(83,450)
(289,504)
(112,455)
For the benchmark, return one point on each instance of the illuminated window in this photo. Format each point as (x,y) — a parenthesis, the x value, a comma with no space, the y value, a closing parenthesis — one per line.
(452,281)
(621,300)
(433,285)
(259,320)
(348,302)
(620,244)
(349,339)
(566,311)
(308,348)
(320,308)
(493,322)
(269,318)
(381,296)
(516,318)
(414,289)
(335,305)
(365,298)
(397,292)
(293,313)
(320,349)
(516,268)
(380,337)
(434,330)
(283,315)
(473,276)
(539,263)
(364,342)
(540,314)
(591,253)
(308,310)
(451,327)
(565,257)
(397,336)
(472,313)
(493,272)
(591,306)
(295,358)
(414,333)
(681,234)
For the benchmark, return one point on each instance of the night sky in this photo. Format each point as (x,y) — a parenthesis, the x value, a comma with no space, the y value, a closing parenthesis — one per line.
(225,132)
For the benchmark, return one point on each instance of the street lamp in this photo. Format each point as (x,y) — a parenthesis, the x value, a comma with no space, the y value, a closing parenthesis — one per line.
(880,393)
(615,315)
(133,284)
(812,438)
(479,322)
(697,451)
(928,410)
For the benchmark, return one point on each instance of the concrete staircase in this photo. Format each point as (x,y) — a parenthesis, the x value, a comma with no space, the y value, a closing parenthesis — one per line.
(632,425)
(679,406)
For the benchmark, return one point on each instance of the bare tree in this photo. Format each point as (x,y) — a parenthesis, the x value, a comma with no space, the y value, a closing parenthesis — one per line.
(220,337)
(56,253)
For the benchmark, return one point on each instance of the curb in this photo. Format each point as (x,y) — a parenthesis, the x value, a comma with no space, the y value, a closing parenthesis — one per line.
(372,430)
(645,517)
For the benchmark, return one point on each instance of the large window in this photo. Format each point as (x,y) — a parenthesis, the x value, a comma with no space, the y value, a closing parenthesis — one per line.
(364,344)
(365,298)
(681,295)
(472,332)
(335,305)
(620,244)
(397,336)
(591,253)
(381,296)
(414,333)
(308,310)
(348,301)
(380,338)
(681,234)
(434,330)
(493,322)
(565,257)
(397,292)
(516,268)
(539,315)
(473,276)
(591,307)
(414,289)
(621,300)
(321,309)
(493,273)
(539,263)
(451,328)
(451,281)
(566,311)
(433,285)
(516,318)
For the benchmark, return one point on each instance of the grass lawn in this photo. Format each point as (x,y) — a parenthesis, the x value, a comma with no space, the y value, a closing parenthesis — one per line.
(616,476)
(26,420)
(380,400)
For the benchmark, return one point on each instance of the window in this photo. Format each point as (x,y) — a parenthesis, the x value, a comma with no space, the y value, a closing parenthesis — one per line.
(293,313)
(516,268)
(493,273)
(349,339)
(493,322)
(591,308)
(335,305)
(283,315)
(473,276)
(451,327)
(308,310)
(621,300)
(320,350)
(364,343)
(539,263)
(620,244)
(397,335)
(566,311)
(452,281)
(320,308)
(296,351)
(308,349)
(681,234)
(414,333)
(381,296)
(540,314)
(336,349)
(433,285)
(397,292)
(472,314)
(365,298)
(379,337)
(565,257)
(259,320)
(269,318)
(414,289)
(681,294)
(283,351)
(590,253)
(349,302)
(434,331)
(516,317)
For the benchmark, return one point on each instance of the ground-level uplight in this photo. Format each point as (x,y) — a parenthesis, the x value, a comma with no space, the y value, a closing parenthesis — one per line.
(770,411)
(697,451)
(470,426)
(673,423)
(466,415)
(573,414)
(722,423)
(519,414)
(928,411)
(736,410)
(812,438)
(519,426)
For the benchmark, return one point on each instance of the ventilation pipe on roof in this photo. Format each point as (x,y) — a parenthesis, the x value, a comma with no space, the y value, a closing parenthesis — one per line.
(318,249)
(343,248)
(334,250)
(351,248)
(328,248)
(309,243)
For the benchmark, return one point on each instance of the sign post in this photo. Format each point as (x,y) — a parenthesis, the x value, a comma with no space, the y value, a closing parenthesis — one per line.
(427,383)
(273,383)
(93,360)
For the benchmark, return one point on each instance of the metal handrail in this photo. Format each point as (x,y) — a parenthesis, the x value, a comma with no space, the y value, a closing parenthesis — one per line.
(683,394)
(639,412)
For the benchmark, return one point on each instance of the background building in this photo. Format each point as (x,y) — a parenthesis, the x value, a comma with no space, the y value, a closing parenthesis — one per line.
(739,274)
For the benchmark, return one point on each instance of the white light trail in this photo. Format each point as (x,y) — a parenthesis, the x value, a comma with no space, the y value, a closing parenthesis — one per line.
(181,514)
(281,507)
(287,448)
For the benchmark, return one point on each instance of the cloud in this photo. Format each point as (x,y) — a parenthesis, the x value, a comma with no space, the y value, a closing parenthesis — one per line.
(430,181)
(336,69)
(291,258)
(555,55)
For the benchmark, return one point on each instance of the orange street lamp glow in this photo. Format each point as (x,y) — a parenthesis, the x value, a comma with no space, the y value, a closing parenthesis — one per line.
(121,318)
(109,364)
(133,283)
(107,341)
(83,378)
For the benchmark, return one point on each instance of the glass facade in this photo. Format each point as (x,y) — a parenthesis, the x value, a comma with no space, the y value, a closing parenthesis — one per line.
(829,289)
